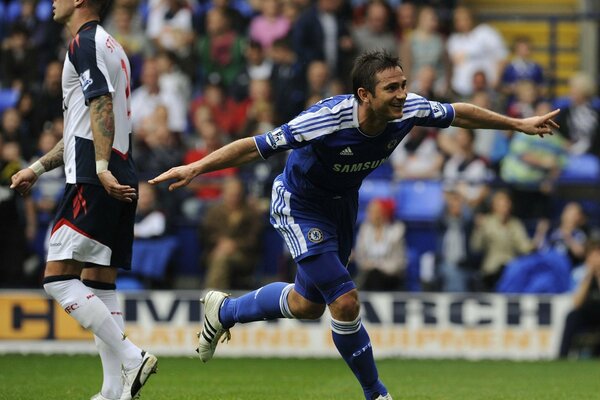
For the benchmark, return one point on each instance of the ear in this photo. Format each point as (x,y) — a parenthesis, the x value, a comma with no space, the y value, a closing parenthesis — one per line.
(78,3)
(364,95)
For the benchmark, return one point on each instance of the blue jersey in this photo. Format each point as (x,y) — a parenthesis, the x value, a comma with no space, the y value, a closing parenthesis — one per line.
(331,156)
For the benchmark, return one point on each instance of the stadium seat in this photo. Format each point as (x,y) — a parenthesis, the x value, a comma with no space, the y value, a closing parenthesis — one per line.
(540,272)
(151,257)
(584,168)
(129,283)
(43,10)
(187,258)
(419,201)
(8,99)
(13,10)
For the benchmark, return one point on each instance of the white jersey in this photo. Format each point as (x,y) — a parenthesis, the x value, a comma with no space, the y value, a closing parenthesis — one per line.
(94,66)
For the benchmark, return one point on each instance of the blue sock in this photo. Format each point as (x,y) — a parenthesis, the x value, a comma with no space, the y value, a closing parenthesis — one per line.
(268,302)
(353,343)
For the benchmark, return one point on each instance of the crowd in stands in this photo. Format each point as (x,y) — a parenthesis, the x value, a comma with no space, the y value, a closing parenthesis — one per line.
(205,73)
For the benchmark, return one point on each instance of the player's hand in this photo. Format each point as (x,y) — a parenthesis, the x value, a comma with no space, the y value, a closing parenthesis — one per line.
(183,174)
(23,181)
(539,125)
(115,189)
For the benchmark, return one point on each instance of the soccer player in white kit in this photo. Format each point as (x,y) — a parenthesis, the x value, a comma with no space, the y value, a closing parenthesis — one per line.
(92,234)
(335,144)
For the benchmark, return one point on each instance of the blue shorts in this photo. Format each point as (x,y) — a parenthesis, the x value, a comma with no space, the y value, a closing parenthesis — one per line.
(92,227)
(312,227)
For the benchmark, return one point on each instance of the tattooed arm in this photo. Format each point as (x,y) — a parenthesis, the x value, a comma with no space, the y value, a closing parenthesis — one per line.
(103,132)
(24,180)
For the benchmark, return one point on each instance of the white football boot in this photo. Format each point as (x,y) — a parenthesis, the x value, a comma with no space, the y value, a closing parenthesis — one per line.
(386,397)
(135,378)
(212,329)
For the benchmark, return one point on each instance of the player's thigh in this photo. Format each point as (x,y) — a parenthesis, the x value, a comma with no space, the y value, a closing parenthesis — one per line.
(301,307)
(62,268)
(89,226)
(99,273)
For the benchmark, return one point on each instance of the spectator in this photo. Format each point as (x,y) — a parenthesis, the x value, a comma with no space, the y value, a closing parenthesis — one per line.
(18,220)
(465,172)
(150,221)
(569,236)
(221,52)
(170,26)
(522,67)
(585,315)
(147,97)
(474,47)
(288,81)
(270,24)
(222,109)
(406,19)
(231,233)
(424,50)
(48,104)
(454,261)
(18,60)
(499,237)
(208,187)
(530,169)
(319,81)
(376,32)
(134,42)
(175,90)
(160,149)
(256,67)
(524,101)
(380,252)
(236,12)
(12,129)
(580,121)
(321,34)
(417,156)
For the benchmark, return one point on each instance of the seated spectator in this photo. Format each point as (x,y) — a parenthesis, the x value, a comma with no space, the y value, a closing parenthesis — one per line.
(288,81)
(474,47)
(424,54)
(160,148)
(580,121)
(270,24)
(224,111)
(417,156)
(380,253)
(220,52)
(376,32)
(231,231)
(18,60)
(525,100)
(12,129)
(499,237)
(150,221)
(522,67)
(147,97)
(585,316)
(406,19)
(170,26)
(175,90)
(530,169)
(464,171)
(319,81)
(569,236)
(256,67)
(454,262)
(207,187)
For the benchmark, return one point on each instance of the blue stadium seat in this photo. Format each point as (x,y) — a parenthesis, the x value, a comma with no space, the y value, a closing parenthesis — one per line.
(584,168)
(151,257)
(187,258)
(373,189)
(129,283)
(13,10)
(419,201)
(43,10)
(8,99)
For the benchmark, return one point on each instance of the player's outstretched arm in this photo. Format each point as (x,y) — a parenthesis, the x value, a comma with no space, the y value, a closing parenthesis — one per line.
(24,180)
(240,152)
(473,117)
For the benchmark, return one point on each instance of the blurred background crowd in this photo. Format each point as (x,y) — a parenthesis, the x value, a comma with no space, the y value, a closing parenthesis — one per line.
(451,210)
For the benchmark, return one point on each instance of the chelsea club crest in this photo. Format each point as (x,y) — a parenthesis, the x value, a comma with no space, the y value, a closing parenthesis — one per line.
(315,235)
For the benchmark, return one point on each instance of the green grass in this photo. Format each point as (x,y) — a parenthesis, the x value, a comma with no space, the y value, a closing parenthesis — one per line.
(78,377)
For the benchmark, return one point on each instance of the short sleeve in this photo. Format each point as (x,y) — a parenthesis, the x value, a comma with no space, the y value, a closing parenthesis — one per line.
(89,63)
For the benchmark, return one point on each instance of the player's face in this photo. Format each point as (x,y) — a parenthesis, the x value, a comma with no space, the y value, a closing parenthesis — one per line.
(390,94)
(63,9)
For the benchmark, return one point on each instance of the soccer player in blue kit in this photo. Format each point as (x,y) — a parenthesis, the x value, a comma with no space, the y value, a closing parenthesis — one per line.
(335,144)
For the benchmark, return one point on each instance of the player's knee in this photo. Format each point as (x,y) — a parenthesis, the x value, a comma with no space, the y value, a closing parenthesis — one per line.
(304,309)
(346,307)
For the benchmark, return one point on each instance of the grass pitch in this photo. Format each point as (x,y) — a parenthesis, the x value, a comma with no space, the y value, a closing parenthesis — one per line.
(79,377)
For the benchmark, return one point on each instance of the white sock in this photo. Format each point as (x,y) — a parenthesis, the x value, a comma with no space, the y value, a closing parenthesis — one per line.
(91,313)
(112,385)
